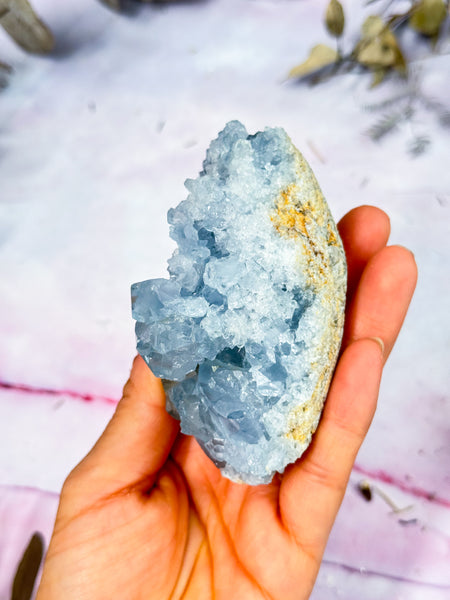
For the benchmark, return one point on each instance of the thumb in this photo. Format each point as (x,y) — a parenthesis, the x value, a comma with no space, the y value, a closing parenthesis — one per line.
(135,443)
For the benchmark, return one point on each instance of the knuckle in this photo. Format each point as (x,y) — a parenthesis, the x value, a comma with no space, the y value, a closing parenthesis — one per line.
(323,475)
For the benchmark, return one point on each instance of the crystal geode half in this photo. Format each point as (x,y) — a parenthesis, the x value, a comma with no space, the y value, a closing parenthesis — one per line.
(246,331)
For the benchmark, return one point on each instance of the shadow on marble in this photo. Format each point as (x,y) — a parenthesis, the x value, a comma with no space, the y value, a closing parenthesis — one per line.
(87,35)
(133,7)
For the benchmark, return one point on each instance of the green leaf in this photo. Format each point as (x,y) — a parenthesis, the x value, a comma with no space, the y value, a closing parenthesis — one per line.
(335,18)
(427,16)
(320,56)
(25,27)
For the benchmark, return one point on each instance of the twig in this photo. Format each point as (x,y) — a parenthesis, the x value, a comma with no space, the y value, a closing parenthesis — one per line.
(315,151)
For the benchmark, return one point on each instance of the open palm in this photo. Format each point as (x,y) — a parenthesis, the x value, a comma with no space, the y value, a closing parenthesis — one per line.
(147,515)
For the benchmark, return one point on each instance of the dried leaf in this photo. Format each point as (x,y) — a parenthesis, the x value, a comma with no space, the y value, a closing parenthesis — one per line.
(320,56)
(375,54)
(28,568)
(378,76)
(378,48)
(335,18)
(427,16)
(25,27)
(372,27)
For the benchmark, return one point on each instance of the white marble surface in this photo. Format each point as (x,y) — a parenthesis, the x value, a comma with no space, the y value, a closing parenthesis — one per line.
(95,143)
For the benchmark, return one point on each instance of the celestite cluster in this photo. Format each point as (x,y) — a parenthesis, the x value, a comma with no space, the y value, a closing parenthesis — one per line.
(247,329)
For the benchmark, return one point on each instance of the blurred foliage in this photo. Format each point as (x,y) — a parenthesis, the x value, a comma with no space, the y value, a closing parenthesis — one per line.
(403,108)
(27,29)
(114,4)
(5,70)
(334,18)
(428,16)
(378,48)
(21,22)
(119,4)
(378,51)
(320,56)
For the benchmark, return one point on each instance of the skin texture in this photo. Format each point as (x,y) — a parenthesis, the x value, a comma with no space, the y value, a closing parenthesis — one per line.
(147,515)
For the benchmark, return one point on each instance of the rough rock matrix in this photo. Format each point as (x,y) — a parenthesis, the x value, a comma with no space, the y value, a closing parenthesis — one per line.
(247,329)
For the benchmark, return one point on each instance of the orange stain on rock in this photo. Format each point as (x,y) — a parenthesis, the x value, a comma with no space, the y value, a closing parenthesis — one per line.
(294,219)
(304,221)
(289,218)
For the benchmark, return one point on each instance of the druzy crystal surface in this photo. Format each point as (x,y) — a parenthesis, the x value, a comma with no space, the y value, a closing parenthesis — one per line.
(246,330)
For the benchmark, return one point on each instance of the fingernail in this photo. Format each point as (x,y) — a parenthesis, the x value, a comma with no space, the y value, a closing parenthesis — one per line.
(380,342)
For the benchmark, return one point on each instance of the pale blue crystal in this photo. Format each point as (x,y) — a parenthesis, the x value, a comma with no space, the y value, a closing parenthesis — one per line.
(246,331)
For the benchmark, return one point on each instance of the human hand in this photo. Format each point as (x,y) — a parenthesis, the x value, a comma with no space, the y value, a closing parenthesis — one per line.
(147,515)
